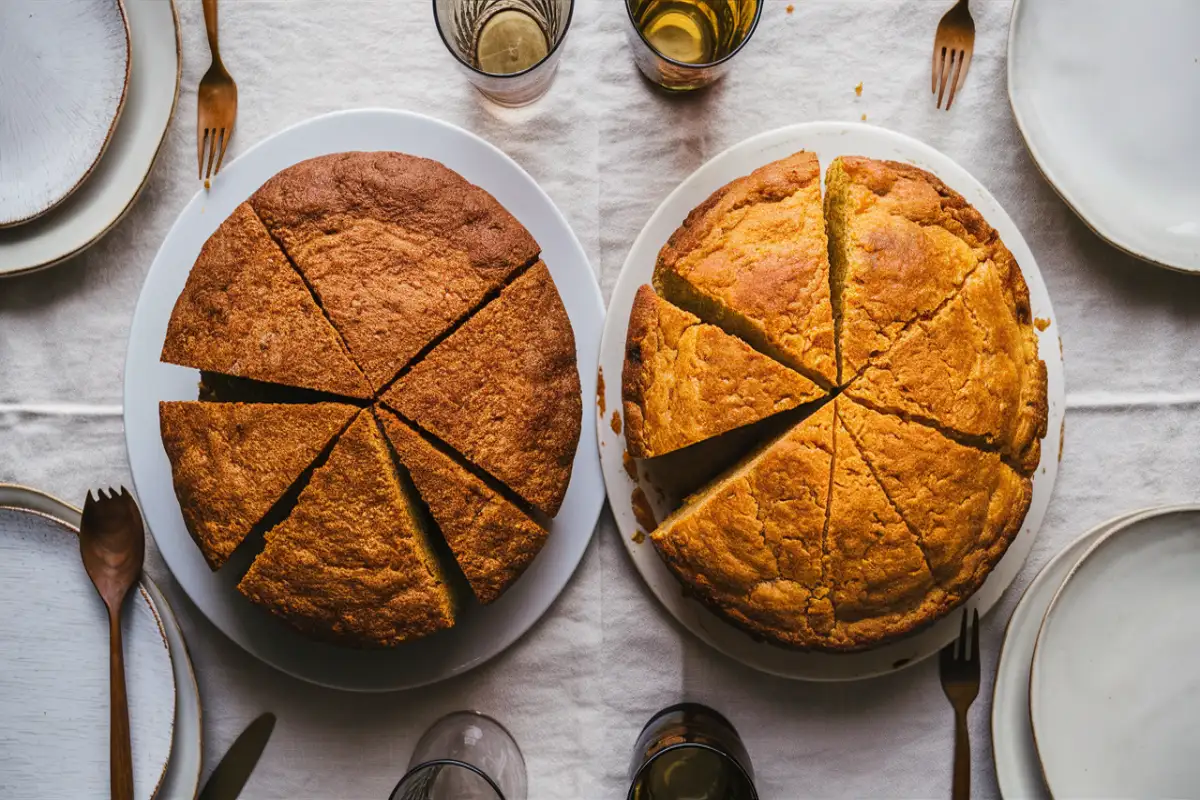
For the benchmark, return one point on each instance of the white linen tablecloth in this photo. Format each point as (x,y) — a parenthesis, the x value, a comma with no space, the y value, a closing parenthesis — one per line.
(608,148)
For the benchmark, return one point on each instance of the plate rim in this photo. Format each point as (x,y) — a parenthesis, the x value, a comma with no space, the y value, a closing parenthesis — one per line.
(1039,162)
(1101,541)
(689,614)
(586,469)
(28,500)
(120,213)
(108,134)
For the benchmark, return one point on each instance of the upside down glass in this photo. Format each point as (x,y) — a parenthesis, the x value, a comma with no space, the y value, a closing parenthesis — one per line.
(464,756)
(509,49)
(687,44)
(690,752)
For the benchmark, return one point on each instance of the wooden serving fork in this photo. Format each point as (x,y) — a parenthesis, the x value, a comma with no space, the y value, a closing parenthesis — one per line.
(216,102)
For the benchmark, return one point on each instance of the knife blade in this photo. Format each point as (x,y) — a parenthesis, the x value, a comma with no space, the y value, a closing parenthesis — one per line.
(231,774)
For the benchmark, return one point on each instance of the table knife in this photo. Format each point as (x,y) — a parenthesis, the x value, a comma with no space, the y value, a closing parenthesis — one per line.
(234,770)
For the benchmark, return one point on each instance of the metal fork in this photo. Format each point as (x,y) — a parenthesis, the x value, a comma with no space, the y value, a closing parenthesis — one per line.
(216,103)
(960,682)
(953,45)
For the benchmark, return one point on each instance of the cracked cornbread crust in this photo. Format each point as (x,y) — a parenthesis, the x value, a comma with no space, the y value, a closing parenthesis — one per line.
(753,259)
(685,381)
(351,564)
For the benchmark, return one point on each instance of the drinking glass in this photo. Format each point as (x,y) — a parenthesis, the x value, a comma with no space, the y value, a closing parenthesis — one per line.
(690,752)
(686,44)
(509,49)
(464,756)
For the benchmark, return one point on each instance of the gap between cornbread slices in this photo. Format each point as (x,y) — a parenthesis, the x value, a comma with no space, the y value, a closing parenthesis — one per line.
(396,248)
(964,505)
(492,539)
(245,311)
(972,371)
(750,544)
(901,243)
(352,562)
(753,259)
(503,390)
(685,381)
(232,462)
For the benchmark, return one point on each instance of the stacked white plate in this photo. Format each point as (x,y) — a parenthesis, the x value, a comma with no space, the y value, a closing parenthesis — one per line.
(1098,692)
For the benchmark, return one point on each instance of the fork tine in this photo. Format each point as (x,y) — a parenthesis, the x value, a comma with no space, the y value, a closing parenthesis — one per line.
(975,638)
(937,53)
(965,58)
(955,82)
(201,140)
(226,135)
(962,636)
(212,154)
(947,66)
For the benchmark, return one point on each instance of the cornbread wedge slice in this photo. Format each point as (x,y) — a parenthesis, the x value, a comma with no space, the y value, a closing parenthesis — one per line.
(351,563)
(397,248)
(231,462)
(493,540)
(901,243)
(972,370)
(753,259)
(685,381)
(503,390)
(965,505)
(750,545)
(245,312)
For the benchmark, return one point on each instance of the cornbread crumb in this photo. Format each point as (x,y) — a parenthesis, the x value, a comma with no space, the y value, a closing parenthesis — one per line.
(616,423)
(864,117)
(858,89)
(629,464)
(790,8)
(643,512)
(638,537)
(1041,323)
(600,390)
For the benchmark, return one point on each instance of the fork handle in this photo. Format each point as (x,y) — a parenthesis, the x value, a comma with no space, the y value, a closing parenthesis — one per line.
(120,750)
(210,24)
(962,757)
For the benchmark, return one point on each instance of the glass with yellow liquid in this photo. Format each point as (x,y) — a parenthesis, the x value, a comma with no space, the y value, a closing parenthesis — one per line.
(690,752)
(687,44)
(509,49)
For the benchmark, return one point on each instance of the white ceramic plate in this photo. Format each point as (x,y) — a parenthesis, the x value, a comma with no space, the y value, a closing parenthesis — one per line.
(490,629)
(66,67)
(1114,687)
(56,688)
(828,140)
(1107,95)
(1018,770)
(114,184)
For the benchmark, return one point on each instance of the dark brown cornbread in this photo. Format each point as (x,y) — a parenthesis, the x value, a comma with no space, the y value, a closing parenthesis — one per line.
(231,462)
(492,539)
(397,248)
(685,381)
(753,259)
(504,390)
(245,312)
(351,564)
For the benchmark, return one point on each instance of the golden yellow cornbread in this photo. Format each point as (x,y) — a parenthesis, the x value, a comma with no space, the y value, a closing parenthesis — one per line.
(352,563)
(753,259)
(685,381)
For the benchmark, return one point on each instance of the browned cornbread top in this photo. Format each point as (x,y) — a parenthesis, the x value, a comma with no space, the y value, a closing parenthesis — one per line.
(685,381)
(503,390)
(753,259)
(901,243)
(492,540)
(972,370)
(244,311)
(351,563)
(397,248)
(231,462)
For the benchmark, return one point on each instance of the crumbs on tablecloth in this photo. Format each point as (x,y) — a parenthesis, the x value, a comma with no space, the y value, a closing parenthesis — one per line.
(600,389)
(616,423)
(642,510)
(1041,323)
(629,464)
(791,8)
(1060,347)
(207,184)
(864,117)
(858,89)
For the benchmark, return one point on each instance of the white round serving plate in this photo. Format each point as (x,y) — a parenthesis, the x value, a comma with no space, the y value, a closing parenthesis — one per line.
(66,68)
(828,140)
(56,708)
(486,631)
(1105,94)
(1114,690)
(109,191)
(1018,770)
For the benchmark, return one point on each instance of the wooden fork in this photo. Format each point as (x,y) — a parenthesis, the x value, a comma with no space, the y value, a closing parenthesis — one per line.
(216,103)
(953,45)
(959,669)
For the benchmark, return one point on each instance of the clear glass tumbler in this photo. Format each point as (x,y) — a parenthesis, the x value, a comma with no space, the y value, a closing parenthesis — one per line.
(509,49)
(687,44)
(690,752)
(465,756)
